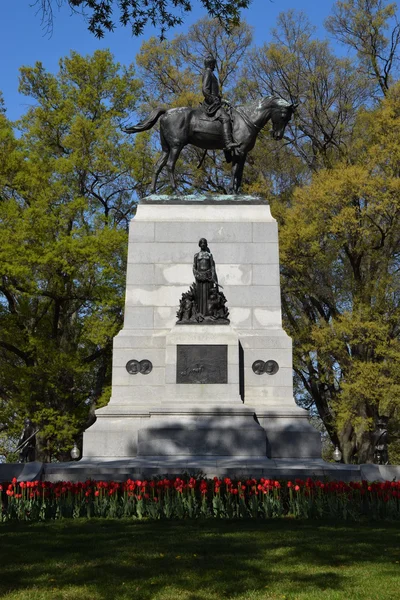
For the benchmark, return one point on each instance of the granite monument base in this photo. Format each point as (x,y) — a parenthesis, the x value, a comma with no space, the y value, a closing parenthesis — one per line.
(220,466)
(206,388)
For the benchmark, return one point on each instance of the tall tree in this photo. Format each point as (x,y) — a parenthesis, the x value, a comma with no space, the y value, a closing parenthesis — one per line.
(340,244)
(372,29)
(299,67)
(67,189)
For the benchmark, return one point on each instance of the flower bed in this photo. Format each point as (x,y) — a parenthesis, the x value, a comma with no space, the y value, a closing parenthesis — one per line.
(200,498)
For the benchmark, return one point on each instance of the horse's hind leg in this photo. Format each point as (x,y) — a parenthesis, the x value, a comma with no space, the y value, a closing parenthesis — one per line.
(171,162)
(158,168)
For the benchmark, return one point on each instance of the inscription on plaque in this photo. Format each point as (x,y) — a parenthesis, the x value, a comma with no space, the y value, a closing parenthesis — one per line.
(201,363)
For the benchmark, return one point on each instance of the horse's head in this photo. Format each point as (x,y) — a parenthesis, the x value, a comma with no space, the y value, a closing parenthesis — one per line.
(281,114)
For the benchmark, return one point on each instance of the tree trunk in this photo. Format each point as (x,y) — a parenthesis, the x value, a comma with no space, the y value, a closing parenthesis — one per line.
(347,443)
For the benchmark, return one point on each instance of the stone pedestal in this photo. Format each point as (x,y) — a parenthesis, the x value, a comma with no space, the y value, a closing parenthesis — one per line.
(167,408)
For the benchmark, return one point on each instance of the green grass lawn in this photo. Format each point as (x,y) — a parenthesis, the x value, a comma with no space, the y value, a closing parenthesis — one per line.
(199,560)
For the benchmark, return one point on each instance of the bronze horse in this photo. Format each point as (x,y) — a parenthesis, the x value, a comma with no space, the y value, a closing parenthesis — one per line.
(182,126)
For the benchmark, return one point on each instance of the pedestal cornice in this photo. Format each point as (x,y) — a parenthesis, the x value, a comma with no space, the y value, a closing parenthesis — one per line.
(215,199)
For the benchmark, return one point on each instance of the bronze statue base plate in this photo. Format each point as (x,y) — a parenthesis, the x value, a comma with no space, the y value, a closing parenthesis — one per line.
(205,321)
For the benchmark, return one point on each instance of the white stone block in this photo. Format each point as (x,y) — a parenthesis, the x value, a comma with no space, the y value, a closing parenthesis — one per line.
(202,334)
(224,253)
(284,377)
(241,318)
(265,232)
(234,274)
(267,317)
(138,339)
(270,393)
(164,317)
(126,395)
(170,354)
(122,355)
(233,374)
(154,295)
(215,232)
(282,357)
(264,296)
(179,274)
(141,274)
(141,232)
(140,317)
(210,393)
(171,253)
(255,340)
(233,355)
(120,376)
(245,254)
(265,275)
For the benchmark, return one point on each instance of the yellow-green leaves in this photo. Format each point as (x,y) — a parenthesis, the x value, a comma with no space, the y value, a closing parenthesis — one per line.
(340,242)
(67,192)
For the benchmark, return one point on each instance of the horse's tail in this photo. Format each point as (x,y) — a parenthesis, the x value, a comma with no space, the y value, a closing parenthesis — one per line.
(148,123)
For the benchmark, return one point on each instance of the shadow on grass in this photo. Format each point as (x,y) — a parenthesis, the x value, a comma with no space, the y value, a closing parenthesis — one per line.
(207,559)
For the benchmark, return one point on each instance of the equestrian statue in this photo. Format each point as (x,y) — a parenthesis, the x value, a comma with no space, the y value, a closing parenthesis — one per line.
(215,125)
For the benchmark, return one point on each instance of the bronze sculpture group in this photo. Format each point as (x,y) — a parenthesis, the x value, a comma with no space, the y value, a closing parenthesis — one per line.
(204,302)
(215,125)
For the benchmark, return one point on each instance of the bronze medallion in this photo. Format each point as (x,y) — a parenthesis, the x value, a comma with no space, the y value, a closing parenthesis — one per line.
(271,367)
(133,367)
(258,367)
(146,366)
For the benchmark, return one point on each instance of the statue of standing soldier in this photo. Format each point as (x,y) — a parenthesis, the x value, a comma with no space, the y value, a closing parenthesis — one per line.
(27,443)
(380,440)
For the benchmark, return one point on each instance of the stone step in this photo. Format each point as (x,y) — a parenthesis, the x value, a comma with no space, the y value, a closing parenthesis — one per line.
(207,466)
(206,438)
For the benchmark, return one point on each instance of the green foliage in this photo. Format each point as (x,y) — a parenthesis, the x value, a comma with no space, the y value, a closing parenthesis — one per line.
(66,189)
(68,178)
(299,67)
(101,14)
(339,244)
(371,28)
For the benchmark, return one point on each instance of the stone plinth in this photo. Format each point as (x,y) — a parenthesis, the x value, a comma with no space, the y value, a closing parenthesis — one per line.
(245,414)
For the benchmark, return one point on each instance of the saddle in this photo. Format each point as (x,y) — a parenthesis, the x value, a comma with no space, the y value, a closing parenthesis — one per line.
(208,111)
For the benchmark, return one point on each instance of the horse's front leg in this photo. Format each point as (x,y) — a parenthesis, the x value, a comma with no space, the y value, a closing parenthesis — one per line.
(233,175)
(239,173)
(171,162)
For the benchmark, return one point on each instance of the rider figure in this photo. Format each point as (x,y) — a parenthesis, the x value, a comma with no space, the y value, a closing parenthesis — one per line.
(212,102)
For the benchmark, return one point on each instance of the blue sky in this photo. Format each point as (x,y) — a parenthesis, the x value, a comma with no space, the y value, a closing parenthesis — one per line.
(22,41)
